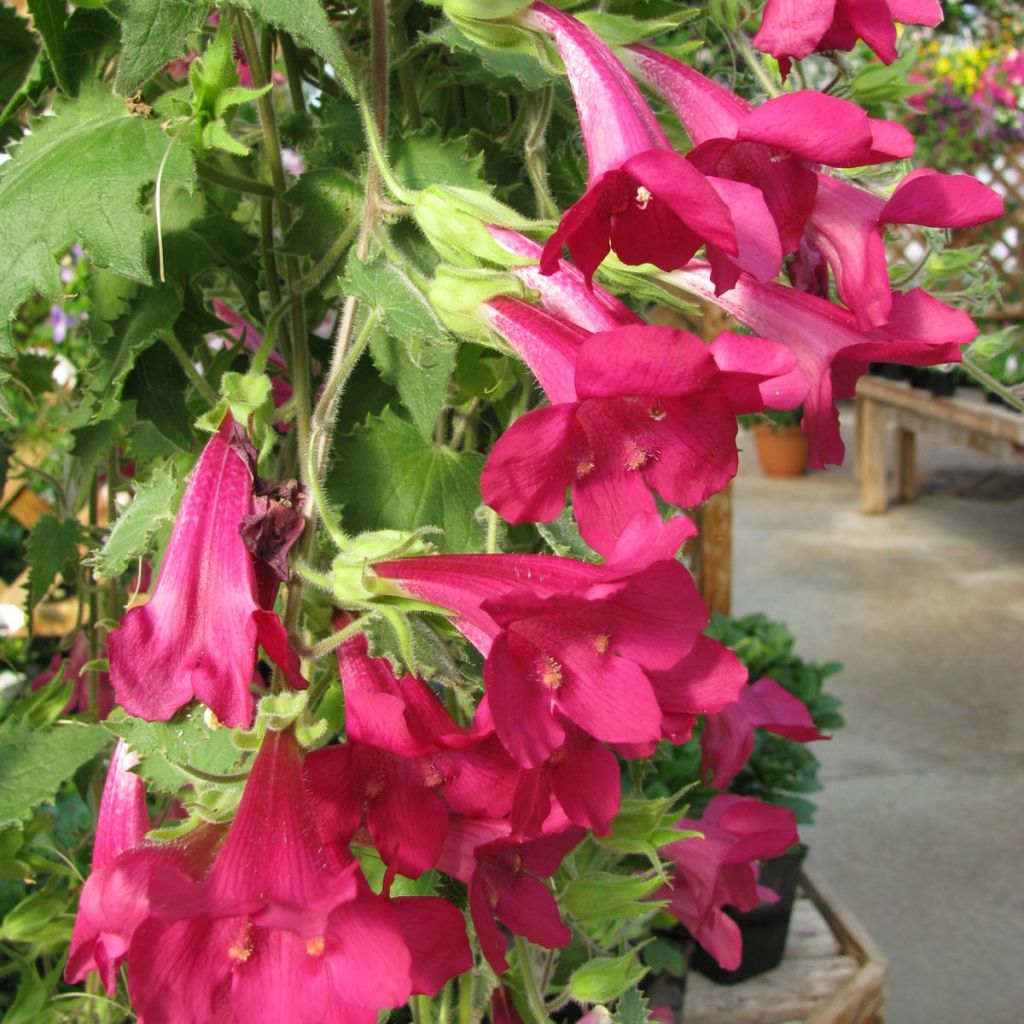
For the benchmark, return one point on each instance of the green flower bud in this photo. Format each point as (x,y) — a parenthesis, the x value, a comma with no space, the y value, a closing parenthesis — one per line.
(454,221)
(457,296)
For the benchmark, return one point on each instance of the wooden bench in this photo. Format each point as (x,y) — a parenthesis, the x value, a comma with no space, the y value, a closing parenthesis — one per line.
(964,419)
(833,973)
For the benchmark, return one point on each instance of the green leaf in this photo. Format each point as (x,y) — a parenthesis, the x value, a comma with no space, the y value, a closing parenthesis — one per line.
(306,22)
(423,387)
(523,68)
(632,1008)
(411,646)
(52,548)
(167,748)
(664,956)
(622,29)
(401,306)
(153,506)
(605,978)
(425,158)
(48,17)
(18,51)
(90,39)
(77,178)
(157,383)
(34,762)
(327,201)
(152,33)
(153,313)
(388,477)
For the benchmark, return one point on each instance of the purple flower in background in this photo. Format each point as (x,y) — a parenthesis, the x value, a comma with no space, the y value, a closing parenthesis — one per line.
(61,321)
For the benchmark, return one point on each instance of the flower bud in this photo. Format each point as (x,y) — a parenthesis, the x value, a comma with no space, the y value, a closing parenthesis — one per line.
(455,222)
(457,296)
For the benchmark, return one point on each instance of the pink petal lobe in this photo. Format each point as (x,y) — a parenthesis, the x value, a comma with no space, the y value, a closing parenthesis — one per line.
(793,28)
(527,473)
(813,126)
(435,932)
(941,201)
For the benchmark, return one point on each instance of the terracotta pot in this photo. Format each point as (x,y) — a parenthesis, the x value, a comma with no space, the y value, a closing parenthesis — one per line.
(782,451)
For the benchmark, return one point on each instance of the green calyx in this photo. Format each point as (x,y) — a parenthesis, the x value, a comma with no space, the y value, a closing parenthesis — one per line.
(457,296)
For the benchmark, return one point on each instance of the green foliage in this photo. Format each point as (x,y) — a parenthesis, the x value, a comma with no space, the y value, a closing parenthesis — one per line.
(307,23)
(77,178)
(152,507)
(52,549)
(388,477)
(34,762)
(152,33)
(180,752)
(18,52)
(632,1008)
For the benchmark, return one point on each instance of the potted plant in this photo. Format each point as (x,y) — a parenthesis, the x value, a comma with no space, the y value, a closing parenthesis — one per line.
(778,771)
(780,441)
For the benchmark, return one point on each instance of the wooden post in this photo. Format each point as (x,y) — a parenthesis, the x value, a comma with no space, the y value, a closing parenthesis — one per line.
(906,464)
(874,492)
(713,567)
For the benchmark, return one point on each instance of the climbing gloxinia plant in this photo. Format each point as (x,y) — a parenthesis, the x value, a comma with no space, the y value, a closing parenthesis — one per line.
(370,489)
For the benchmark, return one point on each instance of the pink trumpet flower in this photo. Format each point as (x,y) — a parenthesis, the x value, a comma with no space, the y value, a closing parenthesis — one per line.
(570,641)
(649,409)
(779,146)
(197,635)
(277,931)
(728,737)
(643,200)
(99,938)
(791,29)
(720,870)
(504,879)
(830,350)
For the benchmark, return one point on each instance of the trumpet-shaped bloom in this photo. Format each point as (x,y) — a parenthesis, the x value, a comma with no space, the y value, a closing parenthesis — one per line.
(719,870)
(197,635)
(830,351)
(564,292)
(728,736)
(791,29)
(651,410)
(103,922)
(504,879)
(275,931)
(565,640)
(779,146)
(643,200)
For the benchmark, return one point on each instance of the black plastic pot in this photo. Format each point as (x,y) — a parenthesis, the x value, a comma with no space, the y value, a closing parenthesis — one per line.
(764,929)
(942,385)
(891,371)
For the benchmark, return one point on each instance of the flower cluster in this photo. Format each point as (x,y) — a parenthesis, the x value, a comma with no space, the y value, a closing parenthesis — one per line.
(267,912)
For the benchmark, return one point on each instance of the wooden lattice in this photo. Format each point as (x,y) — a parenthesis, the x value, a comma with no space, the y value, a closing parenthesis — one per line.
(1002,239)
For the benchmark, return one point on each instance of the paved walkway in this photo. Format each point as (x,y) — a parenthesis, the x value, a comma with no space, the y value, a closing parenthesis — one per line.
(921,823)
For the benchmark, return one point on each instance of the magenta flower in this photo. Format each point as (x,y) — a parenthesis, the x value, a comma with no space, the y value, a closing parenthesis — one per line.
(276,931)
(650,409)
(115,899)
(566,640)
(197,635)
(775,147)
(829,349)
(564,292)
(791,29)
(847,224)
(643,200)
(728,736)
(719,870)
(504,878)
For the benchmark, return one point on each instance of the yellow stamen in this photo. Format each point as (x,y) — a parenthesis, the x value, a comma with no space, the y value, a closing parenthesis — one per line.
(315,946)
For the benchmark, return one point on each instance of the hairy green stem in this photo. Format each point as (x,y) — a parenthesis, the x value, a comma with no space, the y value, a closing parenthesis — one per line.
(406,75)
(191,372)
(755,64)
(534,151)
(990,382)
(466,998)
(534,998)
(239,182)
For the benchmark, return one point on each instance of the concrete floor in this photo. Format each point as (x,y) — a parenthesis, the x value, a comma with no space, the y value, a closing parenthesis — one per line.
(921,823)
